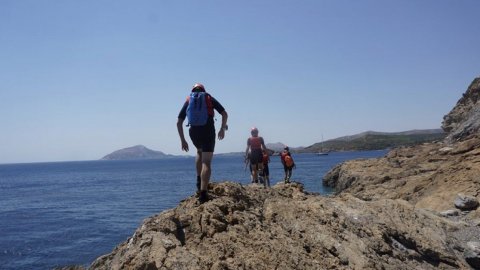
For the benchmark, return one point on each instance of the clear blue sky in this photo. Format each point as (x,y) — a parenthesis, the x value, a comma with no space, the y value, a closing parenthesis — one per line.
(80,79)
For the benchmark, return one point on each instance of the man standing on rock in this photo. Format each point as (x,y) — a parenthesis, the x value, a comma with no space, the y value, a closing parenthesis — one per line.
(199,109)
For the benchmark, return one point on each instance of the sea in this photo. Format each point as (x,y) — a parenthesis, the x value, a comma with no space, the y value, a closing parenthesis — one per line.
(69,213)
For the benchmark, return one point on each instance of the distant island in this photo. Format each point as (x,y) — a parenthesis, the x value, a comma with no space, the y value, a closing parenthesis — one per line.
(372,140)
(136,152)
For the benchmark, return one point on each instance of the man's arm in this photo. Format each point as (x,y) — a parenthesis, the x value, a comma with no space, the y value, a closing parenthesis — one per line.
(221,133)
(247,149)
(264,148)
(182,136)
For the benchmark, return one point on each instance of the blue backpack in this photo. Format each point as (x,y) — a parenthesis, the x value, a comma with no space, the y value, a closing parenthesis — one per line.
(197,110)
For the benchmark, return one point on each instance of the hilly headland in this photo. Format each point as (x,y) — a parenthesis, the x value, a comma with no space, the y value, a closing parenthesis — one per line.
(369,140)
(415,208)
(372,140)
(135,152)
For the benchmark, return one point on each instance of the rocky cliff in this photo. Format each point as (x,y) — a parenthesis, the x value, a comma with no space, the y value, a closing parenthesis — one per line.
(416,208)
(249,227)
(464,120)
(428,176)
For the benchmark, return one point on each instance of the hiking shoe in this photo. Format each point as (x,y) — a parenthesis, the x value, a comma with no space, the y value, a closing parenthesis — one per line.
(203,197)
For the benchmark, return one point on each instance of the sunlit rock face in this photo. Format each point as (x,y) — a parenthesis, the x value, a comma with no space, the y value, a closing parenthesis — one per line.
(249,227)
(463,120)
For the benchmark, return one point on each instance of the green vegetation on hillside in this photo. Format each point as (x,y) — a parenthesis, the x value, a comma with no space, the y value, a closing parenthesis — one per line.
(374,142)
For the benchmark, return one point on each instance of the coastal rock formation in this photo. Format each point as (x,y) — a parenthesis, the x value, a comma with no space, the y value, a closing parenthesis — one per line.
(428,175)
(395,212)
(249,227)
(464,119)
(439,176)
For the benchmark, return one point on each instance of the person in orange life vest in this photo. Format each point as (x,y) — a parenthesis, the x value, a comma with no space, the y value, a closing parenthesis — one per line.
(288,164)
(255,145)
(203,137)
(266,171)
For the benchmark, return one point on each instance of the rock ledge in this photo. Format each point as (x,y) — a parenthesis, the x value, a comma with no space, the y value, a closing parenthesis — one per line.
(249,227)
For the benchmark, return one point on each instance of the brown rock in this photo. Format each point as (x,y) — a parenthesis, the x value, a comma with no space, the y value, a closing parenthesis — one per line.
(466,203)
(246,227)
(385,215)
(424,175)
(464,119)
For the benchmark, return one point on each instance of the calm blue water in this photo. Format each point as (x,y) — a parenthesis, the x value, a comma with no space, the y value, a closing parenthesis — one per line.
(64,213)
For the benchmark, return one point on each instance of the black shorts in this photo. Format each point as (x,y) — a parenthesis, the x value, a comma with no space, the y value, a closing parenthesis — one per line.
(256,156)
(266,171)
(203,138)
(286,169)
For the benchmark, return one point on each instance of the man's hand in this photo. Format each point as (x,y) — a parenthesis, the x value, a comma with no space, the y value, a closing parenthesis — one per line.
(180,133)
(184,146)
(221,134)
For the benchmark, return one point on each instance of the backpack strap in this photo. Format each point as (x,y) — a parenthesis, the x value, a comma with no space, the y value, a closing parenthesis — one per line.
(208,100)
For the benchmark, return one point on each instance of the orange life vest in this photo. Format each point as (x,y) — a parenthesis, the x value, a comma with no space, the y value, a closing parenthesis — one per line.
(288,161)
(265,159)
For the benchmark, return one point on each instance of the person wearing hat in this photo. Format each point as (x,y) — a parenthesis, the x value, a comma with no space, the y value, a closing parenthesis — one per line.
(254,151)
(287,162)
(199,109)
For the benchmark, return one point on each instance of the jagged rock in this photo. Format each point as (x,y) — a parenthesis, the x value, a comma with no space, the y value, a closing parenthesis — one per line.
(450,213)
(384,215)
(464,119)
(472,254)
(70,267)
(476,222)
(466,203)
(445,149)
(428,175)
(423,175)
(249,227)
